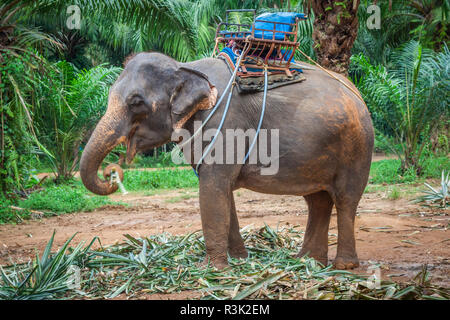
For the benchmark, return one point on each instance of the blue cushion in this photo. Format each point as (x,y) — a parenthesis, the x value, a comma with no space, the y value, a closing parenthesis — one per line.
(230,53)
(286,17)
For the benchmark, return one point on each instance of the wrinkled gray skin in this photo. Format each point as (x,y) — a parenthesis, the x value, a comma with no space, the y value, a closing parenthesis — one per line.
(325,134)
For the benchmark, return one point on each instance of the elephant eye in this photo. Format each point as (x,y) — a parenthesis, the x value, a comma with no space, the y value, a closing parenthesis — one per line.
(136,103)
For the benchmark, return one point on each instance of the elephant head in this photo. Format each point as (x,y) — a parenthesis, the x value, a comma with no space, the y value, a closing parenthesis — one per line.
(153,96)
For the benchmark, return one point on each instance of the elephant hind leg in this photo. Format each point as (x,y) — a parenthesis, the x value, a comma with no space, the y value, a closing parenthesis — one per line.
(315,242)
(346,257)
(347,196)
(236,248)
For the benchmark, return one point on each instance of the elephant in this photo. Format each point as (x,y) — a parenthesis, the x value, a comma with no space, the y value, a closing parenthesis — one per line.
(325,145)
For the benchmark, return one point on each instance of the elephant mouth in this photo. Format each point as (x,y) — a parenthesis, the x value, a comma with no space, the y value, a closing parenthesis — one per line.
(138,143)
(132,145)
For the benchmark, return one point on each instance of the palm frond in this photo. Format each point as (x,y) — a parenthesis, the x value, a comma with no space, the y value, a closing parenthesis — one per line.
(410,95)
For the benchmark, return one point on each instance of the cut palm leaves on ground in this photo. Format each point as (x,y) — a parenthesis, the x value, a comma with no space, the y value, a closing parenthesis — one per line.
(170,264)
(46,277)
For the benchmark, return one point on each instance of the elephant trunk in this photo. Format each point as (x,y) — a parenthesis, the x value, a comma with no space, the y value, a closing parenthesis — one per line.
(105,137)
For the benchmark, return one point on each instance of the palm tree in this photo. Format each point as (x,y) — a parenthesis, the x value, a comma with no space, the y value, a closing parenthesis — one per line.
(179,28)
(411,97)
(424,20)
(427,19)
(18,61)
(335,31)
(176,27)
(72,102)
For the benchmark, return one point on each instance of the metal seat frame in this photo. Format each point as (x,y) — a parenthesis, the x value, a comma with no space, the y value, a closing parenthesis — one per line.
(275,54)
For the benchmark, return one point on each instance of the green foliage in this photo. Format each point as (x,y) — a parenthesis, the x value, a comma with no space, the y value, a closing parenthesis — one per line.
(18,64)
(8,214)
(69,104)
(382,143)
(437,196)
(18,138)
(163,160)
(394,193)
(401,21)
(427,19)
(183,29)
(138,180)
(63,199)
(47,113)
(433,166)
(390,171)
(176,27)
(409,98)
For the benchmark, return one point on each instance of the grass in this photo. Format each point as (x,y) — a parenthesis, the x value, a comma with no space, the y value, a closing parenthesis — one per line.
(385,177)
(433,167)
(52,200)
(169,264)
(73,196)
(163,160)
(63,199)
(394,193)
(381,172)
(9,215)
(388,171)
(139,180)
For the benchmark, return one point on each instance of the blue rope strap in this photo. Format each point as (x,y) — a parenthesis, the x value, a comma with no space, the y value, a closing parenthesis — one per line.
(263,109)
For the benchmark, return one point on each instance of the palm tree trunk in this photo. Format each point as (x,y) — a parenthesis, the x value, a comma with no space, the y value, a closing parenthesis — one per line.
(335,30)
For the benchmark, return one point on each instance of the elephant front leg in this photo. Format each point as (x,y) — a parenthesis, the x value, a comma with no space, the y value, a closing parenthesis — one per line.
(215,208)
(236,247)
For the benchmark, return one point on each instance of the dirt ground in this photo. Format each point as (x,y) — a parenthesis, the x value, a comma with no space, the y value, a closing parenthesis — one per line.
(396,233)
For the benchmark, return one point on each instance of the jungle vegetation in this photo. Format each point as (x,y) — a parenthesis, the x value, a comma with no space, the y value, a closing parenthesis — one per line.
(54,80)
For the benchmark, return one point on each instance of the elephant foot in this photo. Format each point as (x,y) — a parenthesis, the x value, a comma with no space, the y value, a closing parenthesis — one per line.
(346,263)
(321,258)
(238,253)
(219,263)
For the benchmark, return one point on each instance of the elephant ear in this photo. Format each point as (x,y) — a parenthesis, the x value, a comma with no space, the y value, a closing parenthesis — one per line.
(193,93)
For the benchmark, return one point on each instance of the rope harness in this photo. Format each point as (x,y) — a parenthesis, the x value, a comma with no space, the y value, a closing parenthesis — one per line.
(231,84)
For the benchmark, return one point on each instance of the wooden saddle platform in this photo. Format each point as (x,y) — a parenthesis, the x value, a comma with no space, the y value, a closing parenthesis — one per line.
(269,42)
